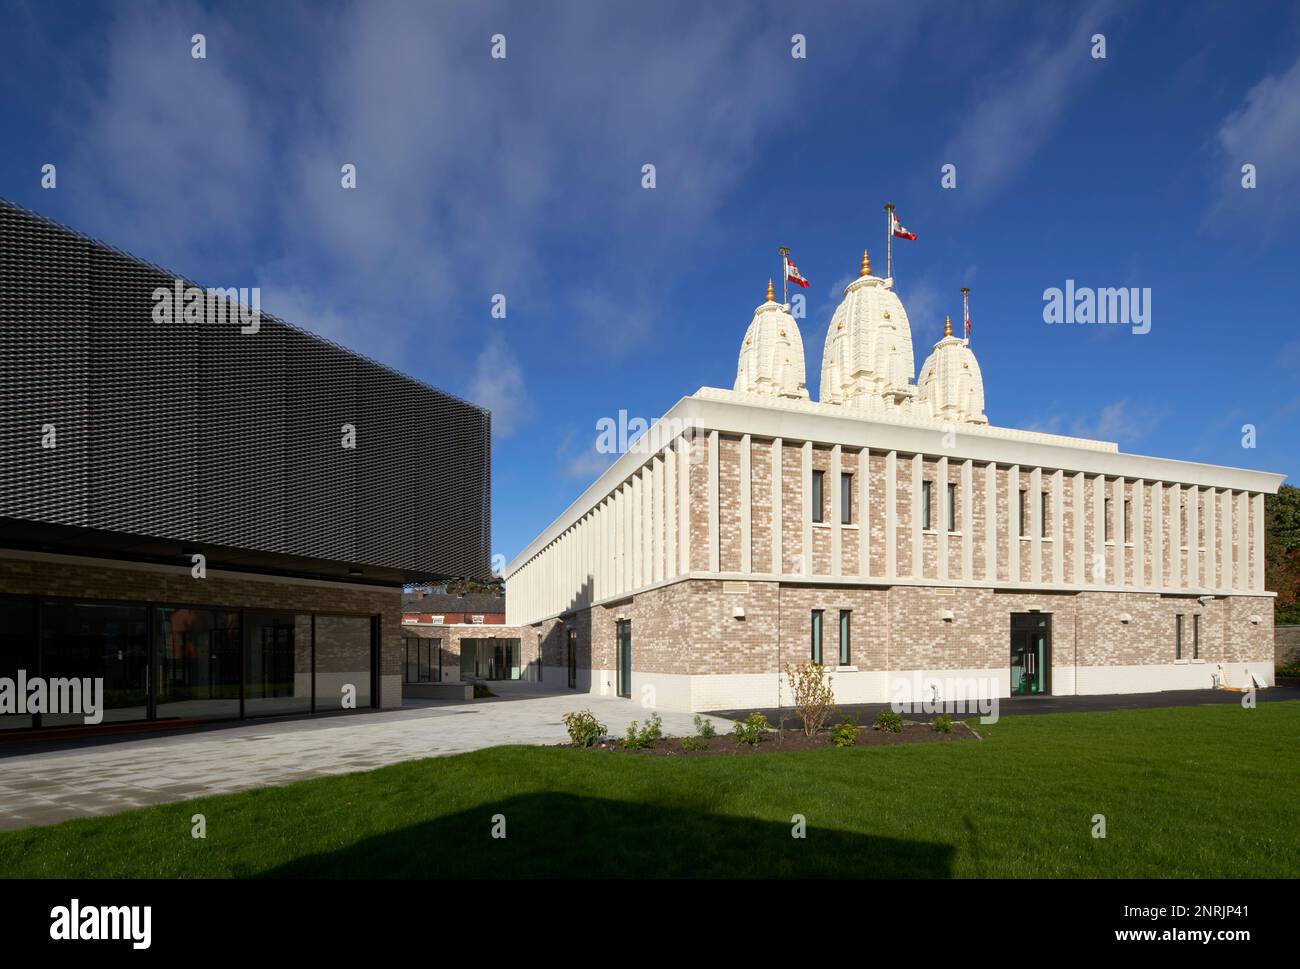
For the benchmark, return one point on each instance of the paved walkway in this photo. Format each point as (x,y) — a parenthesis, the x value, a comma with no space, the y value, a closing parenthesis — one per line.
(49,784)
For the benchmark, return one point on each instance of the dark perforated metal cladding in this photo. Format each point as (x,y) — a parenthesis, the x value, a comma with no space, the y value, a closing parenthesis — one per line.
(200,433)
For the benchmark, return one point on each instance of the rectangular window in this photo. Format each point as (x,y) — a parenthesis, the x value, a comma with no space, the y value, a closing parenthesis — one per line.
(925,505)
(846,499)
(196,662)
(421,660)
(1024,511)
(845,651)
(817,496)
(1196,635)
(952,507)
(18,650)
(1178,636)
(1128,520)
(1108,528)
(1044,514)
(817,636)
(94,639)
(160,662)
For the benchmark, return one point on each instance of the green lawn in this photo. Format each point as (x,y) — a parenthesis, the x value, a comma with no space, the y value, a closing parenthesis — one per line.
(1191,791)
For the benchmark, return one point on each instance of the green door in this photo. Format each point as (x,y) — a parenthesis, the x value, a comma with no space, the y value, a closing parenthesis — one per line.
(625,658)
(1031,653)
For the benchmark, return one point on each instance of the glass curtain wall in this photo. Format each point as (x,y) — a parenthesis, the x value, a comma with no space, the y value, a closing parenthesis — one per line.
(421,660)
(197,663)
(17,652)
(277,663)
(489,658)
(183,662)
(94,640)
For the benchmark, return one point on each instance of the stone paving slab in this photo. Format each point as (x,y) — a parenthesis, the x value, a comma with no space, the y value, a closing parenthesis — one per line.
(52,784)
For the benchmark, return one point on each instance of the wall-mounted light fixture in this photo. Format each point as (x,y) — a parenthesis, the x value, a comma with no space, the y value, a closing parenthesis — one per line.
(946,615)
(738,612)
(1255,620)
(1125,618)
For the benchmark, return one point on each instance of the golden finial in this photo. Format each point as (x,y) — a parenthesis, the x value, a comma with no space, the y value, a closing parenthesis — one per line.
(947,326)
(771,293)
(866,264)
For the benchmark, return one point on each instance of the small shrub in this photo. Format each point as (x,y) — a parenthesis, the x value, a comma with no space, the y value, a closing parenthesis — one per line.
(748,731)
(705,728)
(890,721)
(694,743)
(645,737)
(814,700)
(942,723)
(584,729)
(481,692)
(845,733)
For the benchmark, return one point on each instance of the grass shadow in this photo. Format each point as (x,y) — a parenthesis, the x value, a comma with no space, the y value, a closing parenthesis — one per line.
(564,835)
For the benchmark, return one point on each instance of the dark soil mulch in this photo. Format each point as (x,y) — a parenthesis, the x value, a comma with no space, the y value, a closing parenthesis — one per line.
(792,740)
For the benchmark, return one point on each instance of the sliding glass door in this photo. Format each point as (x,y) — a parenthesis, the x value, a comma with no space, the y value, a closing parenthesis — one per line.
(164,662)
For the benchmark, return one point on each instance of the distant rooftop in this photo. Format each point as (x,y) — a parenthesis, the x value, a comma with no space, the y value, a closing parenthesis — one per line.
(436,602)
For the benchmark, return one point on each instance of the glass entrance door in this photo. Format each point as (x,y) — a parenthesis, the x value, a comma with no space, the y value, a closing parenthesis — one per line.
(625,658)
(573,658)
(1031,653)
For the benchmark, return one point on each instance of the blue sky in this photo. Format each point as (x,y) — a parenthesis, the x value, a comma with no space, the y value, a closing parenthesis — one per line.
(522,176)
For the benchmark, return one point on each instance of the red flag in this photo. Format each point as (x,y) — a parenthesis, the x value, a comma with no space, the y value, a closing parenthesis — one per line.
(968,326)
(898,229)
(792,274)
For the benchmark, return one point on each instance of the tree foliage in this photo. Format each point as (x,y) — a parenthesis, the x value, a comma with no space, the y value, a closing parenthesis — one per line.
(1282,552)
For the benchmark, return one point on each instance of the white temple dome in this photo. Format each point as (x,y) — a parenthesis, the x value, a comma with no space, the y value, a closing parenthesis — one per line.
(867,360)
(771,358)
(951,387)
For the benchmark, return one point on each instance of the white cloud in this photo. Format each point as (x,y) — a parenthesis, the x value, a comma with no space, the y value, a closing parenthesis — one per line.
(577,456)
(1117,421)
(498,384)
(1264,130)
(469,168)
(1017,109)
(170,152)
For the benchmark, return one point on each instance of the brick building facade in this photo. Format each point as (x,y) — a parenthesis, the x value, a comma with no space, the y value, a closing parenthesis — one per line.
(448,638)
(753,527)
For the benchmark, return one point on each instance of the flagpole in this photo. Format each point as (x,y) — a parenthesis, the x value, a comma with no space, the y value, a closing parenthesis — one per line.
(889,240)
(965,310)
(785,274)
